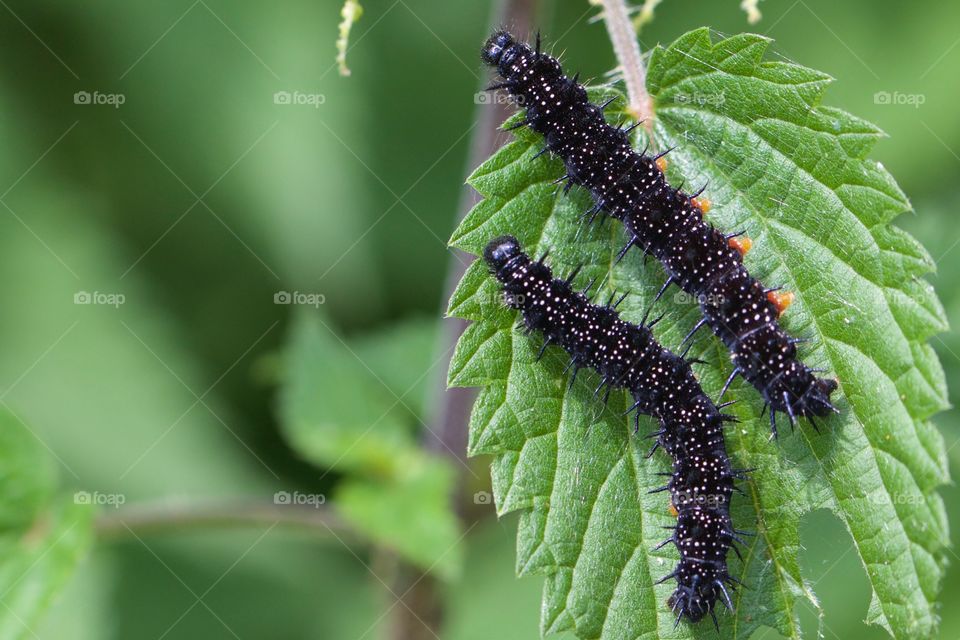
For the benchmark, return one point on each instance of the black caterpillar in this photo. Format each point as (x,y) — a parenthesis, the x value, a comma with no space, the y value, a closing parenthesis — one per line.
(663,386)
(666,223)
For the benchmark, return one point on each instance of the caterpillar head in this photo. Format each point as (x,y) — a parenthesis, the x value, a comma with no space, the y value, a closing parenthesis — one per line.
(496,46)
(500,251)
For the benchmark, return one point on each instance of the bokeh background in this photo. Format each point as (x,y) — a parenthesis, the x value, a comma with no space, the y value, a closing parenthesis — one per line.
(199,198)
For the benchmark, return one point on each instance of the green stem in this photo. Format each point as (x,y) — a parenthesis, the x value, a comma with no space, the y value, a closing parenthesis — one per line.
(624,39)
(168,516)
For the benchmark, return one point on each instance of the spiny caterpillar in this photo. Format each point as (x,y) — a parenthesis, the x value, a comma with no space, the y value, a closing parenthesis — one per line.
(663,386)
(664,222)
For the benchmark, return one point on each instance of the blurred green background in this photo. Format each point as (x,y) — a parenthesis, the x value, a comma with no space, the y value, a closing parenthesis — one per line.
(199,198)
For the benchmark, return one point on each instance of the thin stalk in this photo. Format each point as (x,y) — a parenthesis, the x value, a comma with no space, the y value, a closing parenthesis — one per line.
(616,17)
(167,516)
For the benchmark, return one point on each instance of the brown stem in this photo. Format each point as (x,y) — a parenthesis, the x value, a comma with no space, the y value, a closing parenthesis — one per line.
(453,412)
(419,614)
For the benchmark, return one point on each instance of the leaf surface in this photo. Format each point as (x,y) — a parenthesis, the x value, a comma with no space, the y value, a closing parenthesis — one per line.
(793,174)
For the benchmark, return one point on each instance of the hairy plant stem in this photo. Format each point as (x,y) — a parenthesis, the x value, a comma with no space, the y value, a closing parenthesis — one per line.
(624,39)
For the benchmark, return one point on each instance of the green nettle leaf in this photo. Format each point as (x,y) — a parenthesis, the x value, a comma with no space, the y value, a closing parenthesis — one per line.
(43,535)
(794,175)
(349,407)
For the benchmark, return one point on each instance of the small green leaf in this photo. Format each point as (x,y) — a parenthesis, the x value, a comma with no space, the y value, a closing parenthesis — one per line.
(334,411)
(28,480)
(396,352)
(350,406)
(410,514)
(794,175)
(42,536)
